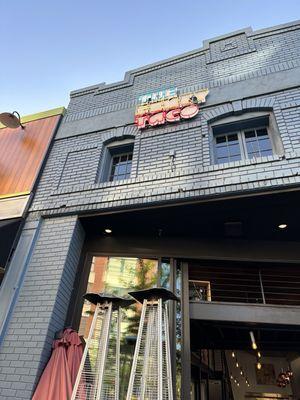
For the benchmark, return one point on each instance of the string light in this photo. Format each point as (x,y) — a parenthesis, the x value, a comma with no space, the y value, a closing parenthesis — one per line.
(253,343)
(258,365)
(241,371)
(258,354)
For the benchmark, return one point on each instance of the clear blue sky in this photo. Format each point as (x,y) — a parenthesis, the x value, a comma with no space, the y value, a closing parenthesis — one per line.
(49,48)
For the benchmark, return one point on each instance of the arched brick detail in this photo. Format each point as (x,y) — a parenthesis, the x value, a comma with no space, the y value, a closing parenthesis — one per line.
(226,110)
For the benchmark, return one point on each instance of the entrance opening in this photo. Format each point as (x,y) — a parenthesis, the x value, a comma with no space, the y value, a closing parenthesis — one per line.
(235,361)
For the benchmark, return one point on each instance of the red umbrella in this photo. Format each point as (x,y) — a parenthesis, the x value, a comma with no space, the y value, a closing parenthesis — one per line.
(55,382)
(74,352)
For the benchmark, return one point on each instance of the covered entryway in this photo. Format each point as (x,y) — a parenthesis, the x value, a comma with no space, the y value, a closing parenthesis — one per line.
(237,361)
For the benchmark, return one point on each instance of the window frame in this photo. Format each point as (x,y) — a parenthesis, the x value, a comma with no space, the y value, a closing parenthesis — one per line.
(242,142)
(117,154)
(111,149)
(235,132)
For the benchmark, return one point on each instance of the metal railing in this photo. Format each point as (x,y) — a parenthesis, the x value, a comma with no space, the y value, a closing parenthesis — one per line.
(263,285)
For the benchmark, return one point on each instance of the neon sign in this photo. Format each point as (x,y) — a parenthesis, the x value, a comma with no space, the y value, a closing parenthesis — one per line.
(167,106)
(157,96)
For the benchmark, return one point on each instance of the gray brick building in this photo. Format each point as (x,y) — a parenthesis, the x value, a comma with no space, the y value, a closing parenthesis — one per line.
(204,197)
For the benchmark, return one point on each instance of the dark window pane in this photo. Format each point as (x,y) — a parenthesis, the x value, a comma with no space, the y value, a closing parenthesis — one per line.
(232,138)
(124,157)
(115,160)
(262,132)
(250,134)
(221,139)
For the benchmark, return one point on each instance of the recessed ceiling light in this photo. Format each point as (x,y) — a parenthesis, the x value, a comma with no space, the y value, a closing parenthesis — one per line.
(282,226)
(107,230)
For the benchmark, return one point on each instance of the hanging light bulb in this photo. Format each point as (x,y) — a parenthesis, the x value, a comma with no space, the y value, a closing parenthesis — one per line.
(258,354)
(253,343)
(242,373)
(231,377)
(237,364)
(233,354)
(258,365)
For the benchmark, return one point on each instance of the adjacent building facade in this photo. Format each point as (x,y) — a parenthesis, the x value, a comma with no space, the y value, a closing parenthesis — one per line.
(23,152)
(184,175)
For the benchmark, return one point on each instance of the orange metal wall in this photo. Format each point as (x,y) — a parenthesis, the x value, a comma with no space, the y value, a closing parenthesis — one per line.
(22,152)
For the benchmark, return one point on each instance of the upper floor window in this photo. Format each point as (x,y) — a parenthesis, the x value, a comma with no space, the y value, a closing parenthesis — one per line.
(242,139)
(120,166)
(117,161)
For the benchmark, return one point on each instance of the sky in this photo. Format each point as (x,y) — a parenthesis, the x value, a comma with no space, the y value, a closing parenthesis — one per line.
(49,48)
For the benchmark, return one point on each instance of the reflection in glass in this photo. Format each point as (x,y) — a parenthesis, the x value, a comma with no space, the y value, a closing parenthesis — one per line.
(165,271)
(227,148)
(119,275)
(258,143)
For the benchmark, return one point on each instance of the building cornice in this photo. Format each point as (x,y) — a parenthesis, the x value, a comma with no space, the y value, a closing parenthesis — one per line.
(130,75)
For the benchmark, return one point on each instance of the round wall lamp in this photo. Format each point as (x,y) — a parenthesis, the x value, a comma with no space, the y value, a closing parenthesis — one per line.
(11,120)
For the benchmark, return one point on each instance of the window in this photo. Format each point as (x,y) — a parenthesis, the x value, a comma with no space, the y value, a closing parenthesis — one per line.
(228,148)
(120,166)
(117,161)
(118,276)
(242,139)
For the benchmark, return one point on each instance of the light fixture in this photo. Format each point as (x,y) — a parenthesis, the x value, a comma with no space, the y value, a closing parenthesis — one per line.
(258,365)
(11,120)
(233,354)
(258,354)
(237,364)
(282,226)
(253,343)
(107,230)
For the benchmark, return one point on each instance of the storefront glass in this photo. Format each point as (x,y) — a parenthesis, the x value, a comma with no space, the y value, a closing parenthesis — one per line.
(120,275)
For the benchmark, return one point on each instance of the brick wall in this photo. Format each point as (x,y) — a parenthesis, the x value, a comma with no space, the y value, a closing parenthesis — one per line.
(41,307)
